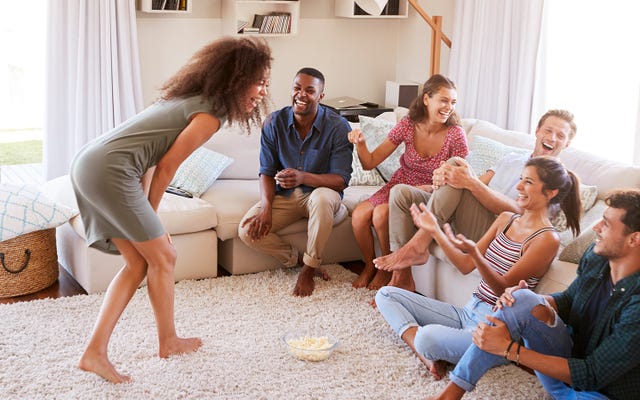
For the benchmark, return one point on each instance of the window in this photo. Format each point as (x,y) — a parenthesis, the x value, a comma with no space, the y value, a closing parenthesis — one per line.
(22,60)
(593,70)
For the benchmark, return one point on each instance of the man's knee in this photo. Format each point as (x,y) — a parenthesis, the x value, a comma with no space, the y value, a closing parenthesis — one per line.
(402,197)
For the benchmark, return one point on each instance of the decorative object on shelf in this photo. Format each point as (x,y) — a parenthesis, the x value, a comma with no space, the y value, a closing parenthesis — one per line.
(165,6)
(371,8)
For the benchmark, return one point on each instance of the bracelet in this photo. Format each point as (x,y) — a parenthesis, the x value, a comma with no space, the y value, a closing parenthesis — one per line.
(518,354)
(506,352)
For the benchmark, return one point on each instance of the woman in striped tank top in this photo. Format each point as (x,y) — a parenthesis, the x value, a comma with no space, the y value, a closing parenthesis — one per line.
(516,247)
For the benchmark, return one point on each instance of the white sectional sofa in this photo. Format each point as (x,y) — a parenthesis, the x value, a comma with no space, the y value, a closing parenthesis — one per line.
(204,230)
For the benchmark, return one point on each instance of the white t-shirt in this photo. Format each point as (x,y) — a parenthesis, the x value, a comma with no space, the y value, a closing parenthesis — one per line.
(507,173)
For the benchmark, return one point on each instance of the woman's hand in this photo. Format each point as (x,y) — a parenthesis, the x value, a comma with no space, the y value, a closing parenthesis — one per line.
(356,136)
(423,218)
(460,241)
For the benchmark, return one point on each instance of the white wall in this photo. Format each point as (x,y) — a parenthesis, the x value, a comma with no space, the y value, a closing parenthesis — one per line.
(356,56)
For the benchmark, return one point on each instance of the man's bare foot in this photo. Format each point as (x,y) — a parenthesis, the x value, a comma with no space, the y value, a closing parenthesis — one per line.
(403,279)
(365,276)
(179,346)
(404,257)
(305,283)
(99,364)
(381,279)
(437,369)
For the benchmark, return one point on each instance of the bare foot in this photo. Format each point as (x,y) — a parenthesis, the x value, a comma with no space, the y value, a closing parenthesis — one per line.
(381,279)
(403,279)
(404,257)
(365,276)
(179,346)
(99,364)
(305,284)
(437,369)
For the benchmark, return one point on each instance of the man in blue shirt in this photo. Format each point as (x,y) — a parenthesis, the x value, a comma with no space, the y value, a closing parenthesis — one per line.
(582,343)
(305,164)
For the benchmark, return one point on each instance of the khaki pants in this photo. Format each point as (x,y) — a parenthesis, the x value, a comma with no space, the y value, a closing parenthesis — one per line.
(319,206)
(455,206)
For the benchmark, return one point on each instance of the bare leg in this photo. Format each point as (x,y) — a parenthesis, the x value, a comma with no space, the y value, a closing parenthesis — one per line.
(305,284)
(361,221)
(450,392)
(414,252)
(120,291)
(381,225)
(161,258)
(437,368)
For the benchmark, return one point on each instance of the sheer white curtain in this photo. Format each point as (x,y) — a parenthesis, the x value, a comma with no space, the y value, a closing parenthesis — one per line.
(493,59)
(93,75)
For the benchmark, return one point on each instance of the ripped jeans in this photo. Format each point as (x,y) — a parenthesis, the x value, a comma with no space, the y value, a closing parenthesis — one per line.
(537,335)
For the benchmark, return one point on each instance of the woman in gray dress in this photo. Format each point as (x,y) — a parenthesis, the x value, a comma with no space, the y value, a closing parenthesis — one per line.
(119,179)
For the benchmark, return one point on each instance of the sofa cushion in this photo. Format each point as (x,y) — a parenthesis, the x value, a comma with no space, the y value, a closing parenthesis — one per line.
(186,215)
(200,170)
(588,196)
(504,136)
(362,177)
(573,248)
(484,153)
(375,131)
(601,172)
(232,198)
(244,147)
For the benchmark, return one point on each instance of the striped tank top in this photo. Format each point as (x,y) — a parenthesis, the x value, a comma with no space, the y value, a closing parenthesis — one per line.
(501,254)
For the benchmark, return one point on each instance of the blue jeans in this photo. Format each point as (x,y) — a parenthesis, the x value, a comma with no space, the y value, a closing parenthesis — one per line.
(537,335)
(444,331)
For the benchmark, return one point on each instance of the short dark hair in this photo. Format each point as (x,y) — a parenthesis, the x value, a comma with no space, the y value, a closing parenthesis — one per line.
(312,72)
(628,200)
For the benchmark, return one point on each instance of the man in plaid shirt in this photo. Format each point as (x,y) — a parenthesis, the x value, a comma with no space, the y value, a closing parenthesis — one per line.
(584,342)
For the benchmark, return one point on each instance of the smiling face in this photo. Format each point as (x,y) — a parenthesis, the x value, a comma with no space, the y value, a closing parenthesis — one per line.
(611,234)
(257,92)
(531,192)
(441,104)
(306,94)
(552,137)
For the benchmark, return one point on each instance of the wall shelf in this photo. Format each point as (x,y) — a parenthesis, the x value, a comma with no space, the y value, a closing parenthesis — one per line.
(281,17)
(348,9)
(166,6)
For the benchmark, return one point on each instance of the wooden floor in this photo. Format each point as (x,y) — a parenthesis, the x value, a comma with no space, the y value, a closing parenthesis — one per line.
(67,286)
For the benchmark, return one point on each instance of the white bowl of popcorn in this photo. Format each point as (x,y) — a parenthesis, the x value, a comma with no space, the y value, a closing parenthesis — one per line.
(310,346)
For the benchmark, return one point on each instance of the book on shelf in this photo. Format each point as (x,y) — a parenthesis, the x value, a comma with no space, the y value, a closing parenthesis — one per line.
(241,25)
(275,22)
(171,5)
(157,4)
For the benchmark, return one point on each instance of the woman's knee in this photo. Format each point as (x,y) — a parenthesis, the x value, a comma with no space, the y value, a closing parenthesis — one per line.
(380,218)
(427,343)
(362,214)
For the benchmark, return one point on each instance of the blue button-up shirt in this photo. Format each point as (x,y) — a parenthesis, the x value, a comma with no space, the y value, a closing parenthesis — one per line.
(325,150)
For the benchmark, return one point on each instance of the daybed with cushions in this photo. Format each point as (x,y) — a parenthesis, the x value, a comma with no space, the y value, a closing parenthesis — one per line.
(204,229)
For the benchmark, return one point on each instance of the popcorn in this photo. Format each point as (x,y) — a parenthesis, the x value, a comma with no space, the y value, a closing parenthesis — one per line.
(310,348)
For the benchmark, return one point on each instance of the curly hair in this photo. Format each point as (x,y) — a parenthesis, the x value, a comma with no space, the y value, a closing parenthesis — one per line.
(628,200)
(418,110)
(222,72)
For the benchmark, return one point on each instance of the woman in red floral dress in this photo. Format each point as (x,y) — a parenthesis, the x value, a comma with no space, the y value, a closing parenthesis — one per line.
(432,134)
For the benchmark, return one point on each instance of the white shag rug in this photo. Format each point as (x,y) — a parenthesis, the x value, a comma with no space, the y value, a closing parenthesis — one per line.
(241,320)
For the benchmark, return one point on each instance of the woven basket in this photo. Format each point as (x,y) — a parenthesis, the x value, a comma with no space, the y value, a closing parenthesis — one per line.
(29,263)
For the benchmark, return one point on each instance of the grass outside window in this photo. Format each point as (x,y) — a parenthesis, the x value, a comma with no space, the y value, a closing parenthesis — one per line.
(26,152)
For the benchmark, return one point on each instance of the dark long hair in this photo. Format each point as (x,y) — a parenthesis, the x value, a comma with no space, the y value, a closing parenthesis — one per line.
(222,72)
(554,175)
(418,111)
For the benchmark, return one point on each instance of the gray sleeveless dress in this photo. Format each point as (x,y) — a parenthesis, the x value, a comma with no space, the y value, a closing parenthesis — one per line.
(106,172)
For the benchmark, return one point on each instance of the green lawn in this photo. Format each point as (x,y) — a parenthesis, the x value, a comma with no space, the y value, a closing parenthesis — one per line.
(27,152)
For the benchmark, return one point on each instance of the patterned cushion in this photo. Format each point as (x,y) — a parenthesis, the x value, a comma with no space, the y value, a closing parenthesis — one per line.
(24,209)
(484,153)
(200,170)
(361,177)
(375,131)
(588,196)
